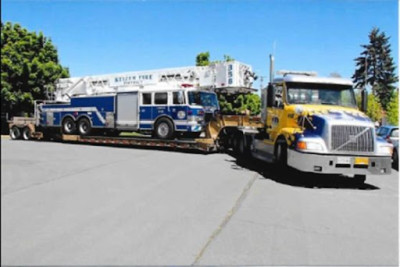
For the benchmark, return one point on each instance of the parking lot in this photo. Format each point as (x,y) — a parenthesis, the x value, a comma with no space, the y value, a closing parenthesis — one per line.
(72,204)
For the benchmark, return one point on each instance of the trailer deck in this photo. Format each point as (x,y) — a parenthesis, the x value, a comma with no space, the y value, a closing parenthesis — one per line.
(200,144)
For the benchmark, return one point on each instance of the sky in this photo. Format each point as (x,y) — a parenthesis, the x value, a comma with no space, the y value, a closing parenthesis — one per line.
(106,36)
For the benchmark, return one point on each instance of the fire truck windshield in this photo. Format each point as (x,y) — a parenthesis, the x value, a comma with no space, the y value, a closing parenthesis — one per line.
(204,99)
(321,94)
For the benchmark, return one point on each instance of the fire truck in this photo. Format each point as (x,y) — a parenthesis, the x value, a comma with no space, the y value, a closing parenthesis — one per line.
(172,106)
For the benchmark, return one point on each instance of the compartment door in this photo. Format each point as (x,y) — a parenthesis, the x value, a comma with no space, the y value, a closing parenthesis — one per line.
(127,111)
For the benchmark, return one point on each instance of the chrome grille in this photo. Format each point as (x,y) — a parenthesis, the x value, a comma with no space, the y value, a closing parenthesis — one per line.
(352,138)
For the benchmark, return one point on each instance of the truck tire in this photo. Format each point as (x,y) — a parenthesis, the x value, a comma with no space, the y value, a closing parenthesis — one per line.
(68,126)
(164,129)
(359,179)
(84,126)
(15,133)
(395,158)
(239,146)
(281,154)
(26,133)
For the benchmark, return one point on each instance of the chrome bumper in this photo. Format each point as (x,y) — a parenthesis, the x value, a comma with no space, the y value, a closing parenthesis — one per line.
(338,164)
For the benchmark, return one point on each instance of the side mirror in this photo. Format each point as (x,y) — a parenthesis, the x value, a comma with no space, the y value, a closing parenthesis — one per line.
(364,100)
(270,95)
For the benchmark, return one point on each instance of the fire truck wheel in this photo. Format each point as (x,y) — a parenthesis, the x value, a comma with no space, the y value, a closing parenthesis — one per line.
(281,154)
(68,126)
(84,126)
(26,133)
(164,129)
(15,133)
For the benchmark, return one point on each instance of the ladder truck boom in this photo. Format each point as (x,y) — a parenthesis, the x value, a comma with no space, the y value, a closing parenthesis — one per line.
(227,76)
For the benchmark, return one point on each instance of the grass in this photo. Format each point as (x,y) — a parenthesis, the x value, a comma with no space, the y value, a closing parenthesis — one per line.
(130,134)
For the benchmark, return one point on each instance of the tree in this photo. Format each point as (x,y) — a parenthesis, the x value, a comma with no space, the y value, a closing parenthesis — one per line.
(29,68)
(203,59)
(375,67)
(232,104)
(393,109)
(374,108)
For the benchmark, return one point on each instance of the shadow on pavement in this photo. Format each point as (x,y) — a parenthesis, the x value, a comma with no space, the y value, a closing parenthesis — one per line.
(293,177)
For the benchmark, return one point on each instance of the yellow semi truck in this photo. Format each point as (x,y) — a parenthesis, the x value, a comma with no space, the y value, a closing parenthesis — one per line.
(312,124)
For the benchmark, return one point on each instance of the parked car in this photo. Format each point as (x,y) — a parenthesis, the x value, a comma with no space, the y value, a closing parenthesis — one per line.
(391,134)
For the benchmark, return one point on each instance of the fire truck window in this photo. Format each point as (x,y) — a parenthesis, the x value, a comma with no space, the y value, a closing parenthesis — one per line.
(146,99)
(178,98)
(160,98)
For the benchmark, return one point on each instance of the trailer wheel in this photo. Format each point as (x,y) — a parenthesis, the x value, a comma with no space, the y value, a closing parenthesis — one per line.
(281,154)
(15,133)
(164,129)
(84,126)
(69,126)
(26,133)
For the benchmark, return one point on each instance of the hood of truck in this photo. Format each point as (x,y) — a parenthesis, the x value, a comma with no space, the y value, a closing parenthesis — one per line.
(331,113)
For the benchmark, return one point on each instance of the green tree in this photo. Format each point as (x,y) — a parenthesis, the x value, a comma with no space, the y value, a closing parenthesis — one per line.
(203,59)
(374,108)
(393,109)
(233,104)
(375,67)
(29,68)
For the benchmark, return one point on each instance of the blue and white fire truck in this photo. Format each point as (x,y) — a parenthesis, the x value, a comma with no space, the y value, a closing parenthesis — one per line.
(161,111)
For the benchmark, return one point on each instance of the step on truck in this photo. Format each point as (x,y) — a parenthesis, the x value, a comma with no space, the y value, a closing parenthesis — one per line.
(312,124)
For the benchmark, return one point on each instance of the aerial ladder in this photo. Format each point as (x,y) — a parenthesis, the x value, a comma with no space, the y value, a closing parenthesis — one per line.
(224,77)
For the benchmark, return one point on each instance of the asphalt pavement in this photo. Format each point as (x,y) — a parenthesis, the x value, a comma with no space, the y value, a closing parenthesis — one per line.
(71,204)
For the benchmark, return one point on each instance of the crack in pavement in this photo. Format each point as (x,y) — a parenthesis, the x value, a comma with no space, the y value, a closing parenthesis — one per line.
(227,218)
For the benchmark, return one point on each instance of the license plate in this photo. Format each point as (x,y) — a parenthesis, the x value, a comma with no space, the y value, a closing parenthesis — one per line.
(361,161)
(343,160)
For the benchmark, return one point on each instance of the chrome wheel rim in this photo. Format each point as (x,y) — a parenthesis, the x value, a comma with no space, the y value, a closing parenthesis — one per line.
(163,129)
(83,127)
(68,126)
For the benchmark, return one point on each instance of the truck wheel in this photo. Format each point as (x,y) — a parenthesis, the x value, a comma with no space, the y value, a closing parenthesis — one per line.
(15,133)
(26,133)
(84,126)
(281,154)
(69,126)
(395,158)
(359,179)
(239,145)
(164,129)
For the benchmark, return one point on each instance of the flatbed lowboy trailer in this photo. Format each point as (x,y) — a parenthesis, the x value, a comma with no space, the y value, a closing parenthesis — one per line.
(220,134)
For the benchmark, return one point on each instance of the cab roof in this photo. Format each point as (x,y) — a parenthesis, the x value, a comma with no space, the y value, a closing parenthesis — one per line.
(313,79)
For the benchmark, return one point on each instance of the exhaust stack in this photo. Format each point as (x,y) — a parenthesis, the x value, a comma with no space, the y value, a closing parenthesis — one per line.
(271,68)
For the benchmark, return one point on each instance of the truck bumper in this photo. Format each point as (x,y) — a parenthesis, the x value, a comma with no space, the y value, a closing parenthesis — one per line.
(339,164)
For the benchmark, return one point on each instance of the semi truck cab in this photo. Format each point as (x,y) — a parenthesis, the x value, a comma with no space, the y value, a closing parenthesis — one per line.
(313,125)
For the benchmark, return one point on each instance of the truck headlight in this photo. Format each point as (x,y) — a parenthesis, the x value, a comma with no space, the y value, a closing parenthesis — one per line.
(308,145)
(385,149)
(195,119)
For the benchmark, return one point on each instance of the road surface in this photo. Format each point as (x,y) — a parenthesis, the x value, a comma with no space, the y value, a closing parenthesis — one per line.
(71,204)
